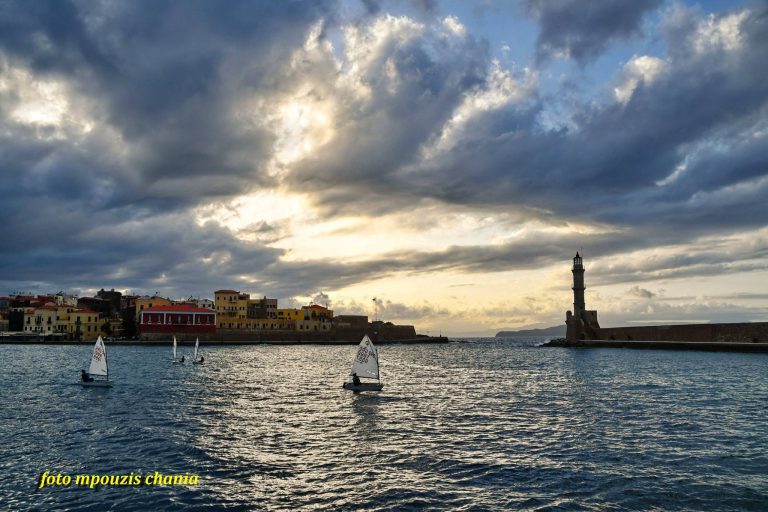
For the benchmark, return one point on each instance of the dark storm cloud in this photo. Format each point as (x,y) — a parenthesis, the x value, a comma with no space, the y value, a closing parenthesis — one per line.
(167,77)
(582,30)
(162,85)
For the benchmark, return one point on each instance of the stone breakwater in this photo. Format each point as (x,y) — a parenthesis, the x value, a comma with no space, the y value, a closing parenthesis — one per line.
(752,332)
(710,346)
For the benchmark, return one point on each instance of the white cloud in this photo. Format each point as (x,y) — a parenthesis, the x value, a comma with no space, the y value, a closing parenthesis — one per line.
(719,33)
(640,69)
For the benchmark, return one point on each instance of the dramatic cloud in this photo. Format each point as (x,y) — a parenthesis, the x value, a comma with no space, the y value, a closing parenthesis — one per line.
(581,30)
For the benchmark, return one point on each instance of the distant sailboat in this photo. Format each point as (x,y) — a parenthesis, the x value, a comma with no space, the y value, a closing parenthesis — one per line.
(176,361)
(195,360)
(98,372)
(365,366)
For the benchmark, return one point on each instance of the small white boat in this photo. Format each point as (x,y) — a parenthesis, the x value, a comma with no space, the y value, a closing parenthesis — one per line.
(176,361)
(98,372)
(365,366)
(195,360)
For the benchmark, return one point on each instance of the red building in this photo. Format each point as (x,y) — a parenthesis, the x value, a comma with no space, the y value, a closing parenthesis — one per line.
(177,319)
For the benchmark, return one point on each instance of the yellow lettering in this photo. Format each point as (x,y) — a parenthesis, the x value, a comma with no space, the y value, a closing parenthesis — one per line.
(82,480)
(42,480)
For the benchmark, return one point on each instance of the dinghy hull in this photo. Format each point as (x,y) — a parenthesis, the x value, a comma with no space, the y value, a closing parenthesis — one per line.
(96,384)
(364,386)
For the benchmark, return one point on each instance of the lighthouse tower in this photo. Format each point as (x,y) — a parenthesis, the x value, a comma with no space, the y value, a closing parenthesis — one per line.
(578,286)
(581,324)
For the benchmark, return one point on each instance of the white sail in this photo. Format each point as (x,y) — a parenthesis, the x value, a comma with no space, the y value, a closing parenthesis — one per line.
(99,359)
(174,348)
(366,363)
(197,343)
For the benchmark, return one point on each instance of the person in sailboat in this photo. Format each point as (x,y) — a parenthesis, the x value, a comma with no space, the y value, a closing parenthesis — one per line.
(355,379)
(85,376)
(182,359)
(202,359)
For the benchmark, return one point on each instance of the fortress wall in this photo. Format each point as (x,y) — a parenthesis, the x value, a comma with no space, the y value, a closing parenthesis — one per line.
(729,333)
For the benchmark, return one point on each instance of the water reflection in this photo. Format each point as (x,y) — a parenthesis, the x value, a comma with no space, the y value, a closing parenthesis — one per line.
(491,425)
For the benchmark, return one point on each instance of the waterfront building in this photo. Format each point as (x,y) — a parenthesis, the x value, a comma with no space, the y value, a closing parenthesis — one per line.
(102,306)
(202,303)
(231,309)
(41,320)
(65,299)
(84,324)
(262,308)
(291,314)
(145,302)
(177,319)
(114,298)
(317,312)
(66,321)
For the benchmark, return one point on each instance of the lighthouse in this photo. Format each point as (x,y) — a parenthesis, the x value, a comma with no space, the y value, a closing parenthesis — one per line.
(578,286)
(581,324)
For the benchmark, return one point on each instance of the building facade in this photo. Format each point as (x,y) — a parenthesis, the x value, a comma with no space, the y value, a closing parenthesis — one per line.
(177,319)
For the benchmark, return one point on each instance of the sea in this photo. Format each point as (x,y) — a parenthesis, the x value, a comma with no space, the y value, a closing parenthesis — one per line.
(481,424)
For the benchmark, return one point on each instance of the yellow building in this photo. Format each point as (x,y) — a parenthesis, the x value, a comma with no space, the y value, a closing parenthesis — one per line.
(143,303)
(75,323)
(231,309)
(290,314)
(84,325)
(42,320)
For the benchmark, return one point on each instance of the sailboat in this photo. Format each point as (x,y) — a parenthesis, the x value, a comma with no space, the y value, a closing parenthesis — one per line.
(176,361)
(99,369)
(365,366)
(194,357)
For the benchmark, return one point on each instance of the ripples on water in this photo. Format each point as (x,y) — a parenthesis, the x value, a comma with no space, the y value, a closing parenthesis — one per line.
(495,424)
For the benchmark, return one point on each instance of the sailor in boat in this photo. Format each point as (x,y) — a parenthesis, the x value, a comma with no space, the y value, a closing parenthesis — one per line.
(202,359)
(85,376)
(182,359)
(355,379)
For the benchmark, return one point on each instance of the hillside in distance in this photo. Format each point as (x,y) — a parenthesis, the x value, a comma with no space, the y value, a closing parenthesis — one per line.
(557,330)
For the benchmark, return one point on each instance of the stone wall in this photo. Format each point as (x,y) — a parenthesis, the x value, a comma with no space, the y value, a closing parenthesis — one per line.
(726,333)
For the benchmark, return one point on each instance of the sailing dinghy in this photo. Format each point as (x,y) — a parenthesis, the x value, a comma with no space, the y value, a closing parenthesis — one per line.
(195,360)
(176,361)
(99,369)
(365,366)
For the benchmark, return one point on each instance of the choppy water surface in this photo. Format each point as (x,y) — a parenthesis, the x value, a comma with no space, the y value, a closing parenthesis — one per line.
(471,426)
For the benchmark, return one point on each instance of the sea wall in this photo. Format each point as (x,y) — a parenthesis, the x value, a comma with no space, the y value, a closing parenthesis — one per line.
(341,334)
(754,332)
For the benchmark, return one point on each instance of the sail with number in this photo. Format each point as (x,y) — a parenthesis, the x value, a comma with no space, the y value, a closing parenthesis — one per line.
(366,363)
(99,360)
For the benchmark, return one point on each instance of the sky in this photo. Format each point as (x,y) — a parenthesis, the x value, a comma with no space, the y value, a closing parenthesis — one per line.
(447,158)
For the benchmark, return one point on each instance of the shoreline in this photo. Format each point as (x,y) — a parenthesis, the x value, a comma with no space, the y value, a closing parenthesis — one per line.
(708,346)
(427,340)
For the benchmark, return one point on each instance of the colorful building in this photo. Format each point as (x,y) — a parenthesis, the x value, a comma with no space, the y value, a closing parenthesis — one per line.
(231,309)
(67,321)
(177,319)
(143,303)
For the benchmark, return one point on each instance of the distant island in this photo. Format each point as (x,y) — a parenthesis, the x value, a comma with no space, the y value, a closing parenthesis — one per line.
(557,330)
